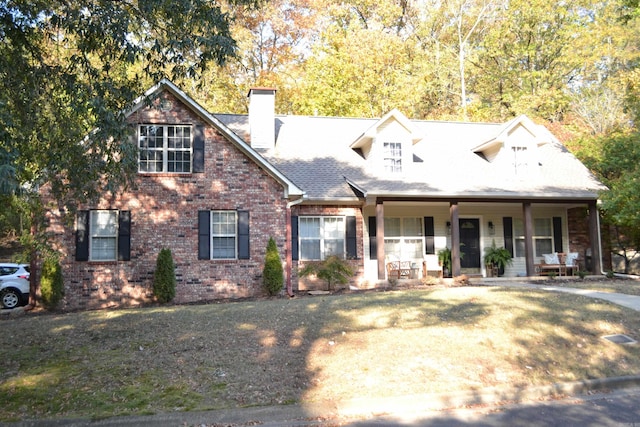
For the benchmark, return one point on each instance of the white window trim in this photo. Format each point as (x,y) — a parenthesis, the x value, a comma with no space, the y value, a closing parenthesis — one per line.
(404,238)
(93,234)
(322,238)
(234,235)
(391,155)
(535,237)
(165,147)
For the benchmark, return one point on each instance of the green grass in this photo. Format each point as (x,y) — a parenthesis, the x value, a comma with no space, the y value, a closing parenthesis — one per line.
(280,351)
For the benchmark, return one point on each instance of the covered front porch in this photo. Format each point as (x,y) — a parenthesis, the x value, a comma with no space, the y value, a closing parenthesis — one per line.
(412,230)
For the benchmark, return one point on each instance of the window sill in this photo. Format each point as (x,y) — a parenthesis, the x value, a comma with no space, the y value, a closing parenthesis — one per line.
(165,174)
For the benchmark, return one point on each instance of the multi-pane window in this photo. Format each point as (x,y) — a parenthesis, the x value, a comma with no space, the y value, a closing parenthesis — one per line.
(542,237)
(321,237)
(392,157)
(403,238)
(520,161)
(165,148)
(103,229)
(224,226)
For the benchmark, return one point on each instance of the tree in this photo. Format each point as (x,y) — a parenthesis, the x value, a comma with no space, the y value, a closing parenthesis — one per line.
(531,53)
(272,273)
(164,279)
(616,162)
(332,270)
(68,71)
(51,283)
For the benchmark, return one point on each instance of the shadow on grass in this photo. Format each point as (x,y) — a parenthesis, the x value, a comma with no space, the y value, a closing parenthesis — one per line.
(272,352)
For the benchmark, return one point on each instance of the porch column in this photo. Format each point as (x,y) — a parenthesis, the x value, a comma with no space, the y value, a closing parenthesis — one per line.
(288,253)
(382,274)
(455,239)
(528,238)
(594,239)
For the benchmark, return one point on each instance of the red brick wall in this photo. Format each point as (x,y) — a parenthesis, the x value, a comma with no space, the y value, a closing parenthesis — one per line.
(164,213)
(578,221)
(357,264)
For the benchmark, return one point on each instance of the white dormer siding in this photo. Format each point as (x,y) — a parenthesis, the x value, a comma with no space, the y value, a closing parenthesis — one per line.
(394,149)
(514,151)
(388,144)
(262,117)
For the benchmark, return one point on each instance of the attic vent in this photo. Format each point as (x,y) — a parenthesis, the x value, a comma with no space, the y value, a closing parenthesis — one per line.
(620,339)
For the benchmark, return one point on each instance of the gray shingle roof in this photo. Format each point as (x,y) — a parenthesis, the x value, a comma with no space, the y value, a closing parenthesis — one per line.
(315,154)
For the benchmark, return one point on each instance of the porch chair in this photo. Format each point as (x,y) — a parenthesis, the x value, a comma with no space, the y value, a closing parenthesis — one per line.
(431,265)
(397,269)
(572,262)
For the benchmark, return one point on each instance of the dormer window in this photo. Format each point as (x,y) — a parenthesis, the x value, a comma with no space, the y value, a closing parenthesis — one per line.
(520,160)
(393,157)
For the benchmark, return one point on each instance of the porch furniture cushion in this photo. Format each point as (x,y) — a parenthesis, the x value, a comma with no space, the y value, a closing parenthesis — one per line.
(551,258)
(572,259)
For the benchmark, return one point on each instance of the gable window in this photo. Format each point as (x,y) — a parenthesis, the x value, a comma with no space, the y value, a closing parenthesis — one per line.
(403,238)
(223,234)
(542,236)
(392,157)
(520,160)
(165,148)
(321,237)
(103,235)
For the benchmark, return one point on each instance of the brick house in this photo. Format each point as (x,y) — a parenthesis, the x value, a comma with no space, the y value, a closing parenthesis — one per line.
(214,188)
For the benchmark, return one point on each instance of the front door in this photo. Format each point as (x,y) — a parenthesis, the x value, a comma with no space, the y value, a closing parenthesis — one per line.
(470,243)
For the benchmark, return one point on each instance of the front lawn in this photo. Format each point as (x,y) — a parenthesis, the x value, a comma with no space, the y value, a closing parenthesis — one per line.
(279,351)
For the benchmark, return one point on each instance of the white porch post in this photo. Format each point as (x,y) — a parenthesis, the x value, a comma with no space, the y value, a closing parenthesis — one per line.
(594,239)
(455,239)
(382,274)
(528,238)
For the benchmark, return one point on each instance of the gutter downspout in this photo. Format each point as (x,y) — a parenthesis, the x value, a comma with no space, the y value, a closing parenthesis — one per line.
(288,254)
(599,241)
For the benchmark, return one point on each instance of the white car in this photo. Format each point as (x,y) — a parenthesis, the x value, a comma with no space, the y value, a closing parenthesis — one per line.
(14,285)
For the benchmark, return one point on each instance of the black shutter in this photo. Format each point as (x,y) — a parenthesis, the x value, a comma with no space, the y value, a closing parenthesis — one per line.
(243,235)
(429,234)
(124,236)
(557,233)
(198,149)
(352,249)
(82,236)
(204,235)
(507,225)
(294,238)
(373,244)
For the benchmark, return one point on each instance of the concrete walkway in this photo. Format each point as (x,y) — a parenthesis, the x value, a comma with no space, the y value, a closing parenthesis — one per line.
(629,301)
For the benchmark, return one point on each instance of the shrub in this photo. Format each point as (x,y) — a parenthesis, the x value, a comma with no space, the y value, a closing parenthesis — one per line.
(272,274)
(332,270)
(51,283)
(164,279)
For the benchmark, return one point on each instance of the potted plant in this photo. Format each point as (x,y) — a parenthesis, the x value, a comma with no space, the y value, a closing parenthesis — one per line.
(444,258)
(498,258)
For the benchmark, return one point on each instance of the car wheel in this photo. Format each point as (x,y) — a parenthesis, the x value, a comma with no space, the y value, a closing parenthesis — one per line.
(10,298)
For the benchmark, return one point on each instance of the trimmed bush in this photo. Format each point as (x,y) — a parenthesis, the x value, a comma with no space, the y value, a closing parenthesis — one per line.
(332,270)
(164,279)
(272,274)
(51,283)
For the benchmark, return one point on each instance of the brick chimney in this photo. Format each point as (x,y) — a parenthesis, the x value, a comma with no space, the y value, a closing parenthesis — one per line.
(262,125)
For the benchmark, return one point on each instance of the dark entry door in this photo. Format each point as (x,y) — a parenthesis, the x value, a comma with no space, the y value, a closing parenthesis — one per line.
(470,243)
